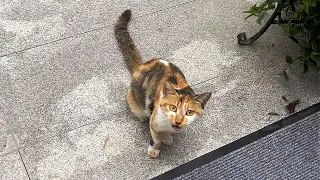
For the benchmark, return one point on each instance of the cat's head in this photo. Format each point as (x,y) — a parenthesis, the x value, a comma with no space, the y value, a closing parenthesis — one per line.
(182,106)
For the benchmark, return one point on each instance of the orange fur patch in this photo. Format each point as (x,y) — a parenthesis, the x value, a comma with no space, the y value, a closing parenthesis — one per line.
(183,104)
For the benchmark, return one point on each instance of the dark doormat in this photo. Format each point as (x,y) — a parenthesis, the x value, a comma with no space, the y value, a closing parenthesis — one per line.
(287,149)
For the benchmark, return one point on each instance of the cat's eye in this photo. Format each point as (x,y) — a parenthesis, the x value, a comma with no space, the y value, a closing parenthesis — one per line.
(189,113)
(173,108)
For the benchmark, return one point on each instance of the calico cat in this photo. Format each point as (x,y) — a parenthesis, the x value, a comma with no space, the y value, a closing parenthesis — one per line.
(159,91)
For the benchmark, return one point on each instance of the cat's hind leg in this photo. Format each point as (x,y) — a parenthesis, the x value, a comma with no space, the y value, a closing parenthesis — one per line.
(135,107)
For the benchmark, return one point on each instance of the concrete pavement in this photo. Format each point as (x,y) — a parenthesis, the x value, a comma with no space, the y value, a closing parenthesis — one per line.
(63,84)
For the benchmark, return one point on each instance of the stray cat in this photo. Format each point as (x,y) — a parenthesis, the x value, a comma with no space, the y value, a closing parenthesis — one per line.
(159,91)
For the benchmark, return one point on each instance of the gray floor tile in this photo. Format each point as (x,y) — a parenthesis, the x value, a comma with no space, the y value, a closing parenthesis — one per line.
(7,143)
(116,148)
(199,37)
(243,97)
(24,24)
(11,167)
(62,86)
(102,150)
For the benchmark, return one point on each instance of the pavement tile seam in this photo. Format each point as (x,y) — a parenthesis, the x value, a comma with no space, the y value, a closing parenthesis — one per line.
(17,149)
(16,164)
(10,130)
(91,30)
(24,165)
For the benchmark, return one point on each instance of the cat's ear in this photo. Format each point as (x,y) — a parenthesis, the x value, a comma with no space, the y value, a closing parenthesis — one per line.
(168,89)
(202,98)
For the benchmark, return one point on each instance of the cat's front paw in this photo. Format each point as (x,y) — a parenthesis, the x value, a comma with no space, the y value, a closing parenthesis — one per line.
(168,140)
(153,153)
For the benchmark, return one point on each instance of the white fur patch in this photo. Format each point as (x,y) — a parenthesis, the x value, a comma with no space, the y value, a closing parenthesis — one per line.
(191,118)
(147,110)
(162,121)
(153,152)
(164,62)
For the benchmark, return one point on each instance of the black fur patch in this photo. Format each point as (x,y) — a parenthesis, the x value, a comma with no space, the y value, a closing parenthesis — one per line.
(155,75)
(138,93)
(186,91)
(151,142)
(173,80)
(151,106)
(175,69)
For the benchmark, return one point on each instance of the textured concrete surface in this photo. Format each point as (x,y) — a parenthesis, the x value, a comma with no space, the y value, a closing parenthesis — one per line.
(61,86)
(26,24)
(7,143)
(12,168)
(63,102)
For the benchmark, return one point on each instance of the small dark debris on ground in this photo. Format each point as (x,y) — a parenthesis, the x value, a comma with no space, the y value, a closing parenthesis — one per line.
(290,107)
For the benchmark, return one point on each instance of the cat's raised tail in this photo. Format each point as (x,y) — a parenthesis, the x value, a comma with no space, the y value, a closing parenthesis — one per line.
(130,53)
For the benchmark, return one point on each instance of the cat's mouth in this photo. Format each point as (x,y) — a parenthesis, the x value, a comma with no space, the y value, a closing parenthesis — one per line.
(175,128)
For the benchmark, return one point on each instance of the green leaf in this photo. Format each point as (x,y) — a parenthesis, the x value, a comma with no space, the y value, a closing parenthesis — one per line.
(269,2)
(315,46)
(289,59)
(254,8)
(313,3)
(315,56)
(290,30)
(294,30)
(260,17)
(271,7)
(286,29)
(295,15)
(305,67)
(284,75)
(318,69)
(249,11)
(307,10)
(304,44)
(307,52)
(248,16)
(306,2)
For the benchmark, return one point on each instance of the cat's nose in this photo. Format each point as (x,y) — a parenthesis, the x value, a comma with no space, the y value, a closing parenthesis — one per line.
(178,122)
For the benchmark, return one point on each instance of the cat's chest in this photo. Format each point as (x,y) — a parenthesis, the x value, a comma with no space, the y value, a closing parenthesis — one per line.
(162,122)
